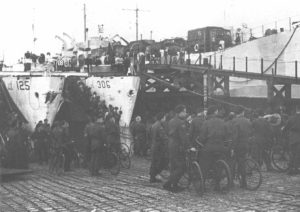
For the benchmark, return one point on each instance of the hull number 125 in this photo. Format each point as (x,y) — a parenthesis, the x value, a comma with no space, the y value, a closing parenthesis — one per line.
(23,85)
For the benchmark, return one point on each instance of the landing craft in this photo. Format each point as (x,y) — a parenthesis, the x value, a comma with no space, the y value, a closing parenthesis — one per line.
(37,94)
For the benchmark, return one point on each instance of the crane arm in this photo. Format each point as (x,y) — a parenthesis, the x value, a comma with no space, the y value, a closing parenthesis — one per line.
(63,41)
(73,41)
(123,39)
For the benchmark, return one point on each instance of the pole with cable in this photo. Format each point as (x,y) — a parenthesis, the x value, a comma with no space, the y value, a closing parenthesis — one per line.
(137,10)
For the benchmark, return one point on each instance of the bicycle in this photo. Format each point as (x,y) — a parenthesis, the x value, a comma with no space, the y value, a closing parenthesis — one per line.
(111,160)
(56,160)
(57,157)
(77,158)
(124,157)
(30,149)
(193,173)
(280,154)
(253,173)
(220,171)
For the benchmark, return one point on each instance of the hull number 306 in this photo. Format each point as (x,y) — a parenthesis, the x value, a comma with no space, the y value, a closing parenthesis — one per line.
(103,84)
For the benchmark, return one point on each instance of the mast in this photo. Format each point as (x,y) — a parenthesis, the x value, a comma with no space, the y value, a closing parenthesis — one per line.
(137,10)
(84,22)
(137,22)
(33,31)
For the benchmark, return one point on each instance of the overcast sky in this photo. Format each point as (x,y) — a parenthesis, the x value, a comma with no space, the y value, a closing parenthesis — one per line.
(166,18)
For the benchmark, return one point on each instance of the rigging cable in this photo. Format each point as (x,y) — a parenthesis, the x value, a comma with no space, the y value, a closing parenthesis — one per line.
(196,93)
(286,45)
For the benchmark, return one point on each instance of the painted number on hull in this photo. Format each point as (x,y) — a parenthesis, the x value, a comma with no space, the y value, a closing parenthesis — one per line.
(103,84)
(23,85)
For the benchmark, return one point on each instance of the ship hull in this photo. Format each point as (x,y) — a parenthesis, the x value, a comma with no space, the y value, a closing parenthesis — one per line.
(121,92)
(118,91)
(283,47)
(37,98)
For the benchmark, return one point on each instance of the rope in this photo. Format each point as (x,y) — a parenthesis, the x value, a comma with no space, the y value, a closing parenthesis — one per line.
(274,61)
(286,45)
(197,94)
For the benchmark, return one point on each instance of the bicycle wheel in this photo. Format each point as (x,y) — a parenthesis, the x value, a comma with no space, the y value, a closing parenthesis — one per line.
(253,175)
(223,173)
(114,163)
(280,158)
(59,164)
(196,178)
(185,180)
(124,158)
(75,160)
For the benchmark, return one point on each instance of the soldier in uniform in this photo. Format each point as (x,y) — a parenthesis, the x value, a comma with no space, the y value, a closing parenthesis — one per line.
(178,134)
(263,135)
(22,160)
(138,130)
(40,144)
(68,145)
(293,129)
(159,147)
(96,133)
(87,142)
(196,125)
(47,134)
(12,137)
(113,134)
(57,138)
(213,136)
(242,131)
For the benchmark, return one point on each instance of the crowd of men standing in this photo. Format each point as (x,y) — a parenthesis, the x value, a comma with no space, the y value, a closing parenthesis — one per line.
(168,138)
(172,136)
(13,148)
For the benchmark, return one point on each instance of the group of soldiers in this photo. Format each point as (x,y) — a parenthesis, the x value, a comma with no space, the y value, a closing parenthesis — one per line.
(13,148)
(48,141)
(101,133)
(172,136)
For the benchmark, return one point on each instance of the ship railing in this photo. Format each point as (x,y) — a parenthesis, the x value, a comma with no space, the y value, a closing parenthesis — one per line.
(268,66)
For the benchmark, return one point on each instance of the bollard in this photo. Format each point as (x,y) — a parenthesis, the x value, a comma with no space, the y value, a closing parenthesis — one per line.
(233,64)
